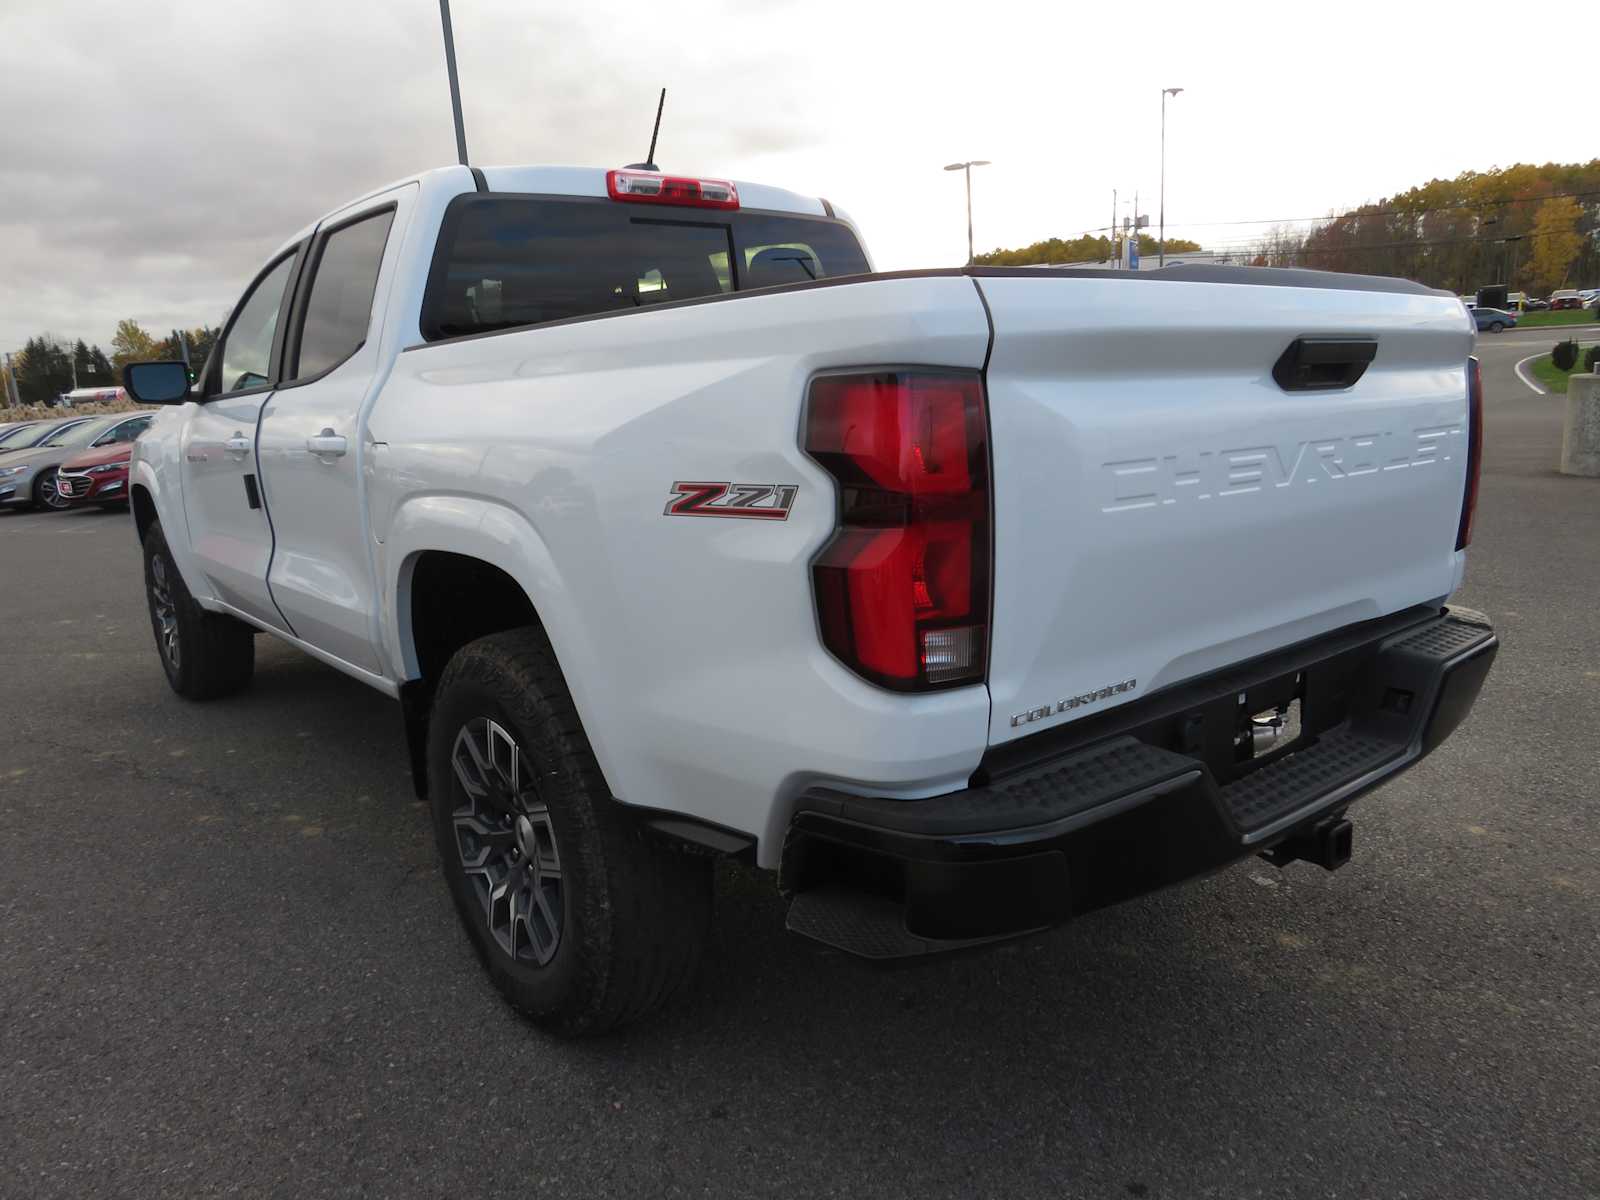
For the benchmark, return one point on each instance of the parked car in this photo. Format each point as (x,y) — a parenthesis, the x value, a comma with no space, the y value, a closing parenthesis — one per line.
(28,477)
(31,433)
(1495,320)
(1537,305)
(1566,298)
(678,533)
(100,475)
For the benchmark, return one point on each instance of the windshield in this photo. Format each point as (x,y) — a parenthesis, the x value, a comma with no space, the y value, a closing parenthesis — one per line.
(12,438)
(79,435)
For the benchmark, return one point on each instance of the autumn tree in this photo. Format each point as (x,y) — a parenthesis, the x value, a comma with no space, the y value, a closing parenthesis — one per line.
(1556,242)
(130,344)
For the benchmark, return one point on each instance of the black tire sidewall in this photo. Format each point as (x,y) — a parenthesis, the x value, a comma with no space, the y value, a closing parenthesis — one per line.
(552,989)
(156,545)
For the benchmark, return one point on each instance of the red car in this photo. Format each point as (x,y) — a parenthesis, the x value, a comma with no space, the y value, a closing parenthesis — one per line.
(97,476)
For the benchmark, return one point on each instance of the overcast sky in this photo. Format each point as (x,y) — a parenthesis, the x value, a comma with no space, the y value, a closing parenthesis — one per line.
(153,154)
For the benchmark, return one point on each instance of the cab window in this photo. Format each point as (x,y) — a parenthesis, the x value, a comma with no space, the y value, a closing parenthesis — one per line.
(339,308)
(246,351)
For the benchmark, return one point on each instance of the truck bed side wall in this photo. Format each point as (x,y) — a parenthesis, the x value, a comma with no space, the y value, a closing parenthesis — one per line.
(689,644)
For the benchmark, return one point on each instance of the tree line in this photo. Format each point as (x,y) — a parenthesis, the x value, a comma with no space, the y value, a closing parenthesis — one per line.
(1532,227)
(47,365)
(1088,248)
(1536,228)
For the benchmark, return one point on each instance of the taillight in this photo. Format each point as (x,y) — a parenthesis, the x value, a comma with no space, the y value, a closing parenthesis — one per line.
(647,187)
(902,589)
(1469,501)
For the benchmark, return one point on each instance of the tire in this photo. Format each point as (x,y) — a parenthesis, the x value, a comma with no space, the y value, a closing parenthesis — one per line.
(1497,327)
(46,495)
(583,922)
(206,655)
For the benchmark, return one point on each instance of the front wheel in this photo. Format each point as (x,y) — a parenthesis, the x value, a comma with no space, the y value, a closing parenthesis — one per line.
(205,655)
(583,922)
(47,492)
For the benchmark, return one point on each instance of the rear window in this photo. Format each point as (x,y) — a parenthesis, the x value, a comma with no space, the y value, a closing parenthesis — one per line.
(505,261)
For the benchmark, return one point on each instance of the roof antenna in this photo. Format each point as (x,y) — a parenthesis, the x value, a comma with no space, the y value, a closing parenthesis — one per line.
(649,163)
(455,83)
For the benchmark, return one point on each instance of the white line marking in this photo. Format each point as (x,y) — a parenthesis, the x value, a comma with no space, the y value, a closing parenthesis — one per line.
(1528,379)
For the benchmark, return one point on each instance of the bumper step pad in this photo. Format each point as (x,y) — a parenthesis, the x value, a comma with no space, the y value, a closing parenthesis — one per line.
(1296,780)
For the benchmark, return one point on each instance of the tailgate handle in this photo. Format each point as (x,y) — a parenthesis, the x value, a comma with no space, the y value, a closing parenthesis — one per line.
(1322,364)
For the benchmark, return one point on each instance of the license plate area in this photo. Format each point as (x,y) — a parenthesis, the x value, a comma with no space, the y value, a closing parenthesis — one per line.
(1245,730)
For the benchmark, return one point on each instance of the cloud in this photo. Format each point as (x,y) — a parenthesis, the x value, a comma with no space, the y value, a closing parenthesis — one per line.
(166,149)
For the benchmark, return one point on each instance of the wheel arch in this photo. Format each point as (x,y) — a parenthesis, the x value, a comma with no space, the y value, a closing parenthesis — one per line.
(464,568)
(144,509)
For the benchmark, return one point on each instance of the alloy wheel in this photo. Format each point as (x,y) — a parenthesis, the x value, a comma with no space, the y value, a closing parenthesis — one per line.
(505,841)
(164,611)
(50,492)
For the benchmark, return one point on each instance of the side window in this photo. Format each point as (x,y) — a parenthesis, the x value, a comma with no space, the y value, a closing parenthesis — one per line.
(126,432)
(246,352)
(339,307)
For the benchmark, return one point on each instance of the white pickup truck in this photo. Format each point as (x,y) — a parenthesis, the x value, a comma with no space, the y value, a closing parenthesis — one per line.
(966,600)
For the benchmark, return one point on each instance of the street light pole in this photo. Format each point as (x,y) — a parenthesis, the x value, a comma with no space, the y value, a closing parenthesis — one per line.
(1161,258)
(967,167)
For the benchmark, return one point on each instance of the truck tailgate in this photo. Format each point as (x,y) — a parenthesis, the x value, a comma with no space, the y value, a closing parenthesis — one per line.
(1163,507)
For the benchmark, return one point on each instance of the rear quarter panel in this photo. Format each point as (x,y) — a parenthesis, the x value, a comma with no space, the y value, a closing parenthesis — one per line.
(689,645)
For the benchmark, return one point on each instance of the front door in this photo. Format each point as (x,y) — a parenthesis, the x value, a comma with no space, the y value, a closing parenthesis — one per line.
(313,443)
(229,535)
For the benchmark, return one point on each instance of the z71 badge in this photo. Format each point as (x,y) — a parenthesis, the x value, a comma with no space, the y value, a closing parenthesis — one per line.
(752,501)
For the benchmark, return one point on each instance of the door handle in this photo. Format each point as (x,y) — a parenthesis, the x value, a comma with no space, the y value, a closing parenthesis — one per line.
(327,443)
(238,445)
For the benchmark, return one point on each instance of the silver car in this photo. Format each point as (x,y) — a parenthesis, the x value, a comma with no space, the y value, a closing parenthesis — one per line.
(28,477)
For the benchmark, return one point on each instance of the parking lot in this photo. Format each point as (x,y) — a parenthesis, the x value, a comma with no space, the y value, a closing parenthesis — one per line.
(227,963)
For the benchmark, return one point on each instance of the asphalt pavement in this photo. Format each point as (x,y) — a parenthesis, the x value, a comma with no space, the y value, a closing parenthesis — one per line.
(228,965)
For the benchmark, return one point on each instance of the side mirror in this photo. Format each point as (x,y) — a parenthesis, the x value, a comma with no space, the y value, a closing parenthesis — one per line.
(157,382)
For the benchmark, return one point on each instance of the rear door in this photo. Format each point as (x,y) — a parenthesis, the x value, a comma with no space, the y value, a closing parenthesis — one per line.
(229,535)
(313,446)
(1165,507)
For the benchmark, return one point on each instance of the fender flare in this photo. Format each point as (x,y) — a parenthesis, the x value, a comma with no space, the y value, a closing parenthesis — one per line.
(143,475)
(501,536)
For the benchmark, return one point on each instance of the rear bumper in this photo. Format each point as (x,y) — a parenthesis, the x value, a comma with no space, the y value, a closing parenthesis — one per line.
(1147,795)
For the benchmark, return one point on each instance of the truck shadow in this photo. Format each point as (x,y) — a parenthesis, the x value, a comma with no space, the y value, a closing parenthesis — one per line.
(1188,1017)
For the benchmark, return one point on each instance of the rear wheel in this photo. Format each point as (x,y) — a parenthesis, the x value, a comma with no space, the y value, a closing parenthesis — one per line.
(583,922)
(206,655)
(1497,327)
(47,492)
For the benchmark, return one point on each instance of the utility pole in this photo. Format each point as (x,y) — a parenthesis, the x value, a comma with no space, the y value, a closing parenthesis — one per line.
(1161,257)
(1111,243)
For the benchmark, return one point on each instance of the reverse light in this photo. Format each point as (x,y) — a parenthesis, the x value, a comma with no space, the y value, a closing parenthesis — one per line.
(902,589)
(1469,500)
(648,187)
